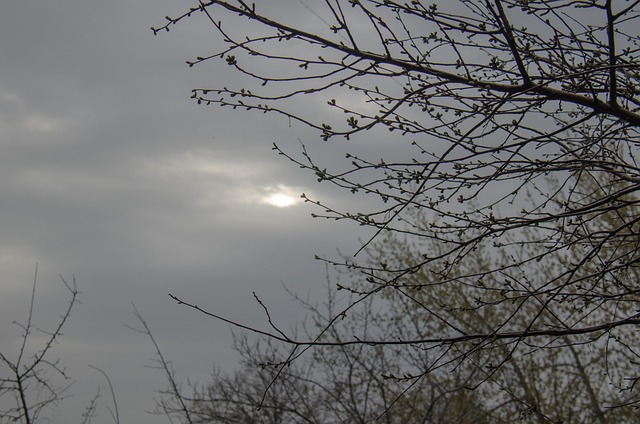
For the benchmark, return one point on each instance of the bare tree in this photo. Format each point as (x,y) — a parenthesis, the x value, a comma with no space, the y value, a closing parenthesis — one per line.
(29,378)
(350,384)
(172,402)
(519,120)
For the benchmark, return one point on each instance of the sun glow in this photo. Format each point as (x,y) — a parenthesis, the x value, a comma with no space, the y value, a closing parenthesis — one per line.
(280,196)
(280,200)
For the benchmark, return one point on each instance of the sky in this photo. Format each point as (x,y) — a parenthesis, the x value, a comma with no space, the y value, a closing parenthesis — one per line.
(112,175)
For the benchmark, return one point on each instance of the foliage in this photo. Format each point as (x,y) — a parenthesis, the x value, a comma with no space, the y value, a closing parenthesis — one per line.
(546,378)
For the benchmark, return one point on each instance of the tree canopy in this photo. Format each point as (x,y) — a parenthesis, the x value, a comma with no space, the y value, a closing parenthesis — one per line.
(520,119)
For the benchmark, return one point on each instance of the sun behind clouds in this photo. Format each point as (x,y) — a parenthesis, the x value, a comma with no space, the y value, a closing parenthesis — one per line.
(281,200)
(281,196)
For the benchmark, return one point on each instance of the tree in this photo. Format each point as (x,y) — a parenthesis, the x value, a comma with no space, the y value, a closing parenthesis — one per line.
(26,384)
(519,120)
(32,384)
(555,381)
(351,384)
(547,379)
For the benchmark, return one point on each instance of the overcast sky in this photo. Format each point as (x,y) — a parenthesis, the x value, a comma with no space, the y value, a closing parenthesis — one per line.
(110,172)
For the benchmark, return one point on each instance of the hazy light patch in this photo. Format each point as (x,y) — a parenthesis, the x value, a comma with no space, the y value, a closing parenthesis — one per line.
(39,123)
(200,164)
(16,114)
(281,196)
(216,181)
